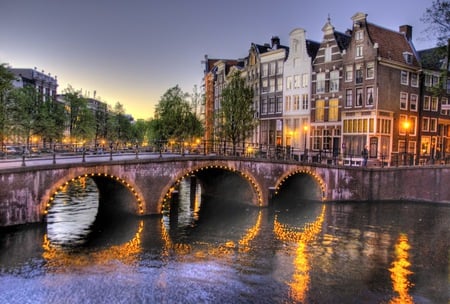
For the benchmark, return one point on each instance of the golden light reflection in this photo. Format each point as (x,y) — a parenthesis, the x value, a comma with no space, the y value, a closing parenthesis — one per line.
(127,253)
(400,272)
(217,250)
(299,283)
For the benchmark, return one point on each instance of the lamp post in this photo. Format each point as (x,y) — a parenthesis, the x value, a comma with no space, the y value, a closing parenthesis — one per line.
(305,155)
(406,126)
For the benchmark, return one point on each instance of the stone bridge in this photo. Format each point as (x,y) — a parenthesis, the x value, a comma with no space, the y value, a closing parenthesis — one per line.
(26,193)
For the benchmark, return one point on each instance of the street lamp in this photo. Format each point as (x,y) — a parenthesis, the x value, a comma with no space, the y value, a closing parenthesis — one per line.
(406,126)
(305,129)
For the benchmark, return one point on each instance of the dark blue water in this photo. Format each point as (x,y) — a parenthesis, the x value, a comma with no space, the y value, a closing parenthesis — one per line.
(219,251)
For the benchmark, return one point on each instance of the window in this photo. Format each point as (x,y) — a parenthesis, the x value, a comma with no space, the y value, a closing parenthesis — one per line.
(434,104)
(272,70)
(359,97)
(333,110)
(287,103)
(413,102)
(296,81)
(320,111)
(403,101)
(359,51)
(305,102)
(408,57)
(349,98)
(296,104)
(305,80)
(359,74)
(272,85)
(265,87)
(369,98)
(288,82)
(444,106)
(425,124)
(433,124)
(327,54)
(271,105)
(426,103)
(279,84)
(264,106)
(320,83)
(280,67)
(265,69)
(370,70)
(435,81)
(427,80)
(334,81)
(359,35)
(279,104)
(414,80)
(404,77)
(348,73)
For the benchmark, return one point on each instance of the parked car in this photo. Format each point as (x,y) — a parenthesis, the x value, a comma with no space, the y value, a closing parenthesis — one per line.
(12,150)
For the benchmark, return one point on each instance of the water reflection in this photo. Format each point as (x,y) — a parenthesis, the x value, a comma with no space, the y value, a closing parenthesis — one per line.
(400,271)
(73,212)
(302,236)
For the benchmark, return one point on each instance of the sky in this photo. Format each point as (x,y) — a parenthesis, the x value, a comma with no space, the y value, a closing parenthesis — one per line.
(133,51)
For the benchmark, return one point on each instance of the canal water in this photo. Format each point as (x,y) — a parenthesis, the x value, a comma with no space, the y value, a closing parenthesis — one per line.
(224,251)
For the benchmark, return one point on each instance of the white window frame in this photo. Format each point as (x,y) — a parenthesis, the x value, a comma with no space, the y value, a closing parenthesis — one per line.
(403,100)
(404,77)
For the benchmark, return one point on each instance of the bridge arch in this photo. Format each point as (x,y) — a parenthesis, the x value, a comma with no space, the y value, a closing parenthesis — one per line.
(59,185)
(195,170)
(302,171)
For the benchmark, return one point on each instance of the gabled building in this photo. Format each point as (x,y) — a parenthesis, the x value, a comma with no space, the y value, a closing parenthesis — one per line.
(327,93)
(297,91)
(381,89)
(271,94)
(435,106)
(45,84)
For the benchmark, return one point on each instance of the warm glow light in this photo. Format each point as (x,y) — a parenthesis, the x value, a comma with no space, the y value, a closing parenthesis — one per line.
(406,125)
(305,128)
(400,271)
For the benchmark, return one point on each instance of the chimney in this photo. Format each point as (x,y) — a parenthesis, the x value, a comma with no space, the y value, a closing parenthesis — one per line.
(407,30)
(275,42)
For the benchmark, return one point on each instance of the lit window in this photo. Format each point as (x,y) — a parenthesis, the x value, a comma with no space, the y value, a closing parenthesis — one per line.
(426,103)
(434,104)
(425,124)
(297,81)
(333,110)
(287,103)
(320,111)
(305,102)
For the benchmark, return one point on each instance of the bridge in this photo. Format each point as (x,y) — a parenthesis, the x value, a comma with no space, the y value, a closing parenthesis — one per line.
(27,191)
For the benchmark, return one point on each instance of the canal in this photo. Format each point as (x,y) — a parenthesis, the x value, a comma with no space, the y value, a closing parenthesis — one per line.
(222,250)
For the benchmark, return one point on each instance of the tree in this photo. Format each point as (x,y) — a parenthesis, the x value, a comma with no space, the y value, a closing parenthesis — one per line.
(438,19)
(6,78)
(81,118)
(119,125)
(236,117)
(174,118)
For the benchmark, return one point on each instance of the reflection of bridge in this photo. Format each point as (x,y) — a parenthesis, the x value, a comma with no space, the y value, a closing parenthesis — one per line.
(27,192)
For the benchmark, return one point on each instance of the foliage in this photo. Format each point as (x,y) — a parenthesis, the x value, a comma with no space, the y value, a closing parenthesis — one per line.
(237,113)
(119,125)
(6,78)
(174,118)
(81,118)
(438,19)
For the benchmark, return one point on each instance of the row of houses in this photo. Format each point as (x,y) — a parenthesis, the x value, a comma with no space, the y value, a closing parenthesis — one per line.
(366,87)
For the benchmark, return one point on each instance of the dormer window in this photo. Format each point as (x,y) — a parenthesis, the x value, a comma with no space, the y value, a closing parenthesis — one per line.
(408,57)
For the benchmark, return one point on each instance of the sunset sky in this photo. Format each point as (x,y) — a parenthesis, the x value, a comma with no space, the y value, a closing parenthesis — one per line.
(133,51)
